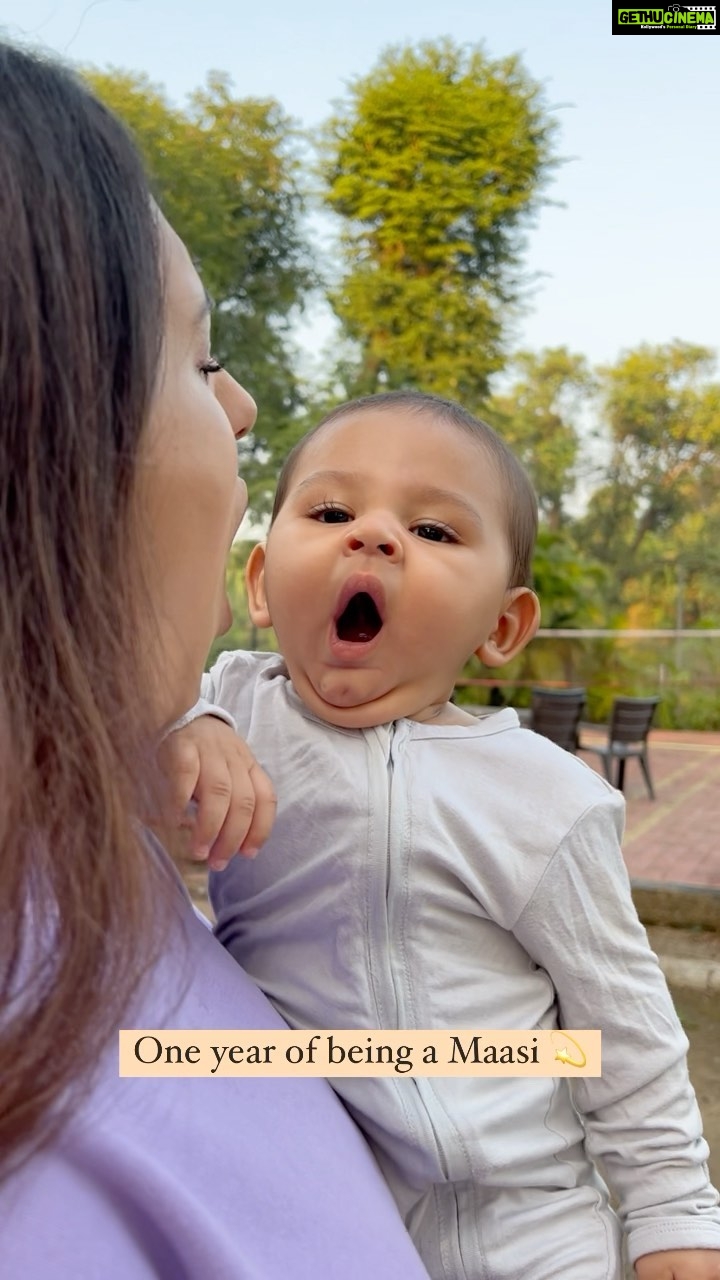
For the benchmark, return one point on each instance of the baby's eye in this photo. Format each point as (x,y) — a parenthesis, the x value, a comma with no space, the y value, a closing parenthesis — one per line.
(328,513)
(434,532)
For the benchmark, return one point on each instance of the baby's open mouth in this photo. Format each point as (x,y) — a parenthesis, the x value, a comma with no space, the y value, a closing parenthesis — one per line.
(360,620)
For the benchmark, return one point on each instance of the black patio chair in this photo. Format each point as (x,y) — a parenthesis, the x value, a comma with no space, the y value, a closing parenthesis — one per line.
(556,715)
(630,721)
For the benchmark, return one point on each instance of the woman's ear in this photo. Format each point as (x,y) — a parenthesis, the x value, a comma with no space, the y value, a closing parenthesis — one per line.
(515,628)
(255,585)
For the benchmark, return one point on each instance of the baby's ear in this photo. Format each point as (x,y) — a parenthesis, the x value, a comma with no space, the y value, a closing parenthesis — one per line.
(255,584)
(515,628)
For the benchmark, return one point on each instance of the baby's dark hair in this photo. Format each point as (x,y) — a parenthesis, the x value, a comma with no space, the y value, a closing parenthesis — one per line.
(520,500)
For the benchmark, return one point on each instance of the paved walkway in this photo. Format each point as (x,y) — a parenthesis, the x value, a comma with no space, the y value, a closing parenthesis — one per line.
(676,837)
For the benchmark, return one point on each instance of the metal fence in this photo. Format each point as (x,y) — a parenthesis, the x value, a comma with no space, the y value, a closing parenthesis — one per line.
(682,666)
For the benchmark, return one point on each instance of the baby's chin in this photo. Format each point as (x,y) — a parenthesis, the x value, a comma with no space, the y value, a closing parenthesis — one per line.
(349,705)
(352,703)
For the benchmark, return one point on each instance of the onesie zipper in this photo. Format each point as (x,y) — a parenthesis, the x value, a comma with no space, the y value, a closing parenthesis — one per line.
(380,770)
(386,991)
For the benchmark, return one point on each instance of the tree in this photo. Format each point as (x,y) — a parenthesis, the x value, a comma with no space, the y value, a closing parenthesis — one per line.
(539,418)
(571,585)
(435,163)
(655,521)
(227,174)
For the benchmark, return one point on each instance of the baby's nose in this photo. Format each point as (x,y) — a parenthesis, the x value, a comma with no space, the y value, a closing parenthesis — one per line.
(357,544)
(372,537)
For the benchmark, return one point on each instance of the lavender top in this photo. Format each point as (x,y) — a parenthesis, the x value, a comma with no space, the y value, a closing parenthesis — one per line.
(203,1179)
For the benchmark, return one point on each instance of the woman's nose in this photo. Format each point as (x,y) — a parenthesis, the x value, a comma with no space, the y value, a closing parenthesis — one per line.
(237,403)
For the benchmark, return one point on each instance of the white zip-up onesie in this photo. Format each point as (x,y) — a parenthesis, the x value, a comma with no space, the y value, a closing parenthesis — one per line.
(453,876)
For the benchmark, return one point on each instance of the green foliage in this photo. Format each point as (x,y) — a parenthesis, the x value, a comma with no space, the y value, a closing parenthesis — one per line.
(538,417)
(435,163)
(571,586)
(656,518)
(226,172)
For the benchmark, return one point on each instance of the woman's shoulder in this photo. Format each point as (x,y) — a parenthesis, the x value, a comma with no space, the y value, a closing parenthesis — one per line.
(224,1177)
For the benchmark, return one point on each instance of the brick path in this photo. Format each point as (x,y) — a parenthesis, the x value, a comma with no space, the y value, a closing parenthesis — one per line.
(676,837)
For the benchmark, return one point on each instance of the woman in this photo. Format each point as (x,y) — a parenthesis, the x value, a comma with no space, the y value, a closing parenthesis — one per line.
(118,501)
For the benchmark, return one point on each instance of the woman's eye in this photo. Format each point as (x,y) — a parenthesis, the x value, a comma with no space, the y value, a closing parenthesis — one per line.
(210,366)
(328,514)
(434,533)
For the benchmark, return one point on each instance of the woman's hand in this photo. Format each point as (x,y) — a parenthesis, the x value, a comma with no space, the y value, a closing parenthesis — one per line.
(218,790)
(679,1264)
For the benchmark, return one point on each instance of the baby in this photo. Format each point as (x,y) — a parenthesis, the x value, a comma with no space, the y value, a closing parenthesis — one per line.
(430,868)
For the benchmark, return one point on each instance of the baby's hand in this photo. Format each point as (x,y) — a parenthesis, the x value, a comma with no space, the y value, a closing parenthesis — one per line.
(679,1264)
(208,763)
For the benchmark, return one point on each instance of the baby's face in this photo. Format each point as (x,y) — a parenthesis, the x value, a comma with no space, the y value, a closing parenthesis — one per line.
(387,566)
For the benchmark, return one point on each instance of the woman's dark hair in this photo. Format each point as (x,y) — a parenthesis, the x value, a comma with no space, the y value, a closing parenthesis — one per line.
(80,333)
(520,502)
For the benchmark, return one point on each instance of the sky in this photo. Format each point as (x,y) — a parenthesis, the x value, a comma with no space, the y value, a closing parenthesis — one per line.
(629,254)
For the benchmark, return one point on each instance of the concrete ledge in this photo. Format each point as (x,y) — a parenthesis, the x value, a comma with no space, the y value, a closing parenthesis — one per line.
(691,975)
(681,905)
